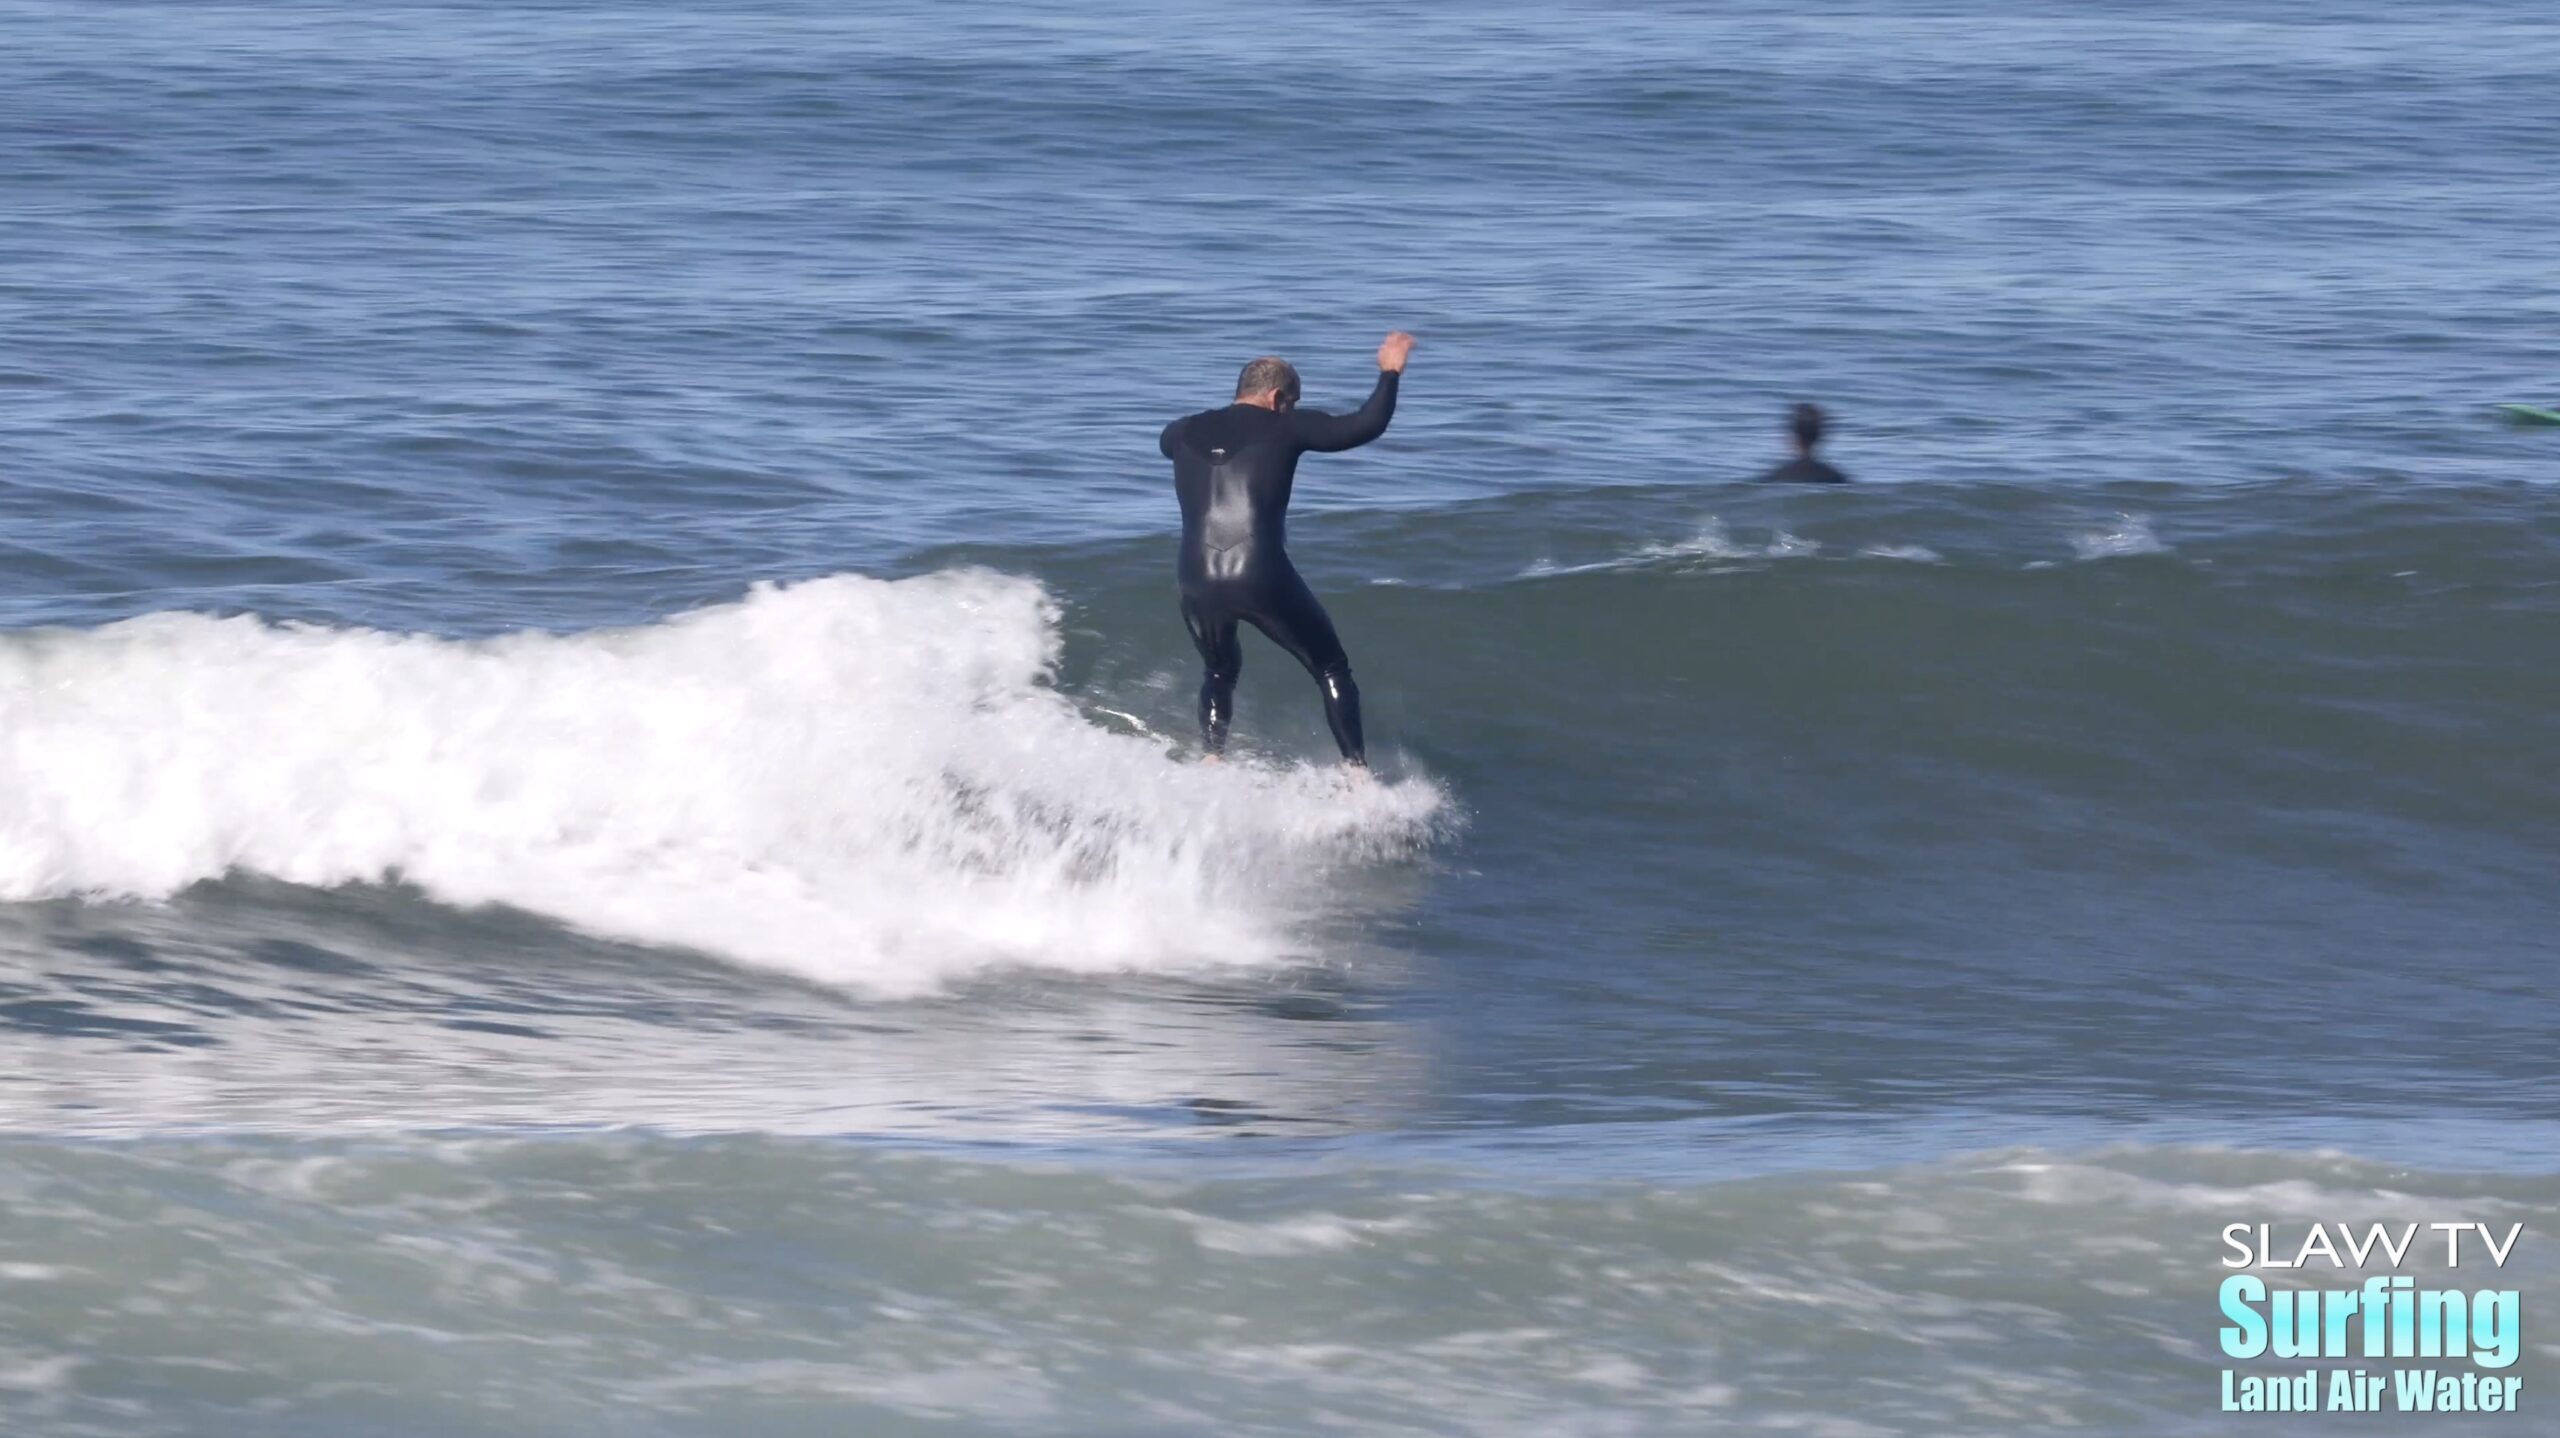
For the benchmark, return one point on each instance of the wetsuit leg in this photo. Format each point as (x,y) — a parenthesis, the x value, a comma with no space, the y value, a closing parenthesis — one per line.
(1289,613)
(1221,659)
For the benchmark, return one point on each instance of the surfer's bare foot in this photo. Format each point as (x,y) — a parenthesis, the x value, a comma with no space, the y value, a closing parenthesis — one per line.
(1213,758)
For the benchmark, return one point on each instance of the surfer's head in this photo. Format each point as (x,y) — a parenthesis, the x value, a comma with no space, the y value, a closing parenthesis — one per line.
(1806,425)
(1269,383)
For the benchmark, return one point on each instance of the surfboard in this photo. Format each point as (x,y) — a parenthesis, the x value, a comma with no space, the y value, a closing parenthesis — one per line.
(2530,414)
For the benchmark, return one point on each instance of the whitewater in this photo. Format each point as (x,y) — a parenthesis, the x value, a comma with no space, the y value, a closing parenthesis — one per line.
(861,781)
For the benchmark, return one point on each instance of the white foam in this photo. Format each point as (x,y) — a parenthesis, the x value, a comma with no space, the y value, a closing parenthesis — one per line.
(1304,1233)
(22,1374)
(2129,535)
(859,780)
(1712,541)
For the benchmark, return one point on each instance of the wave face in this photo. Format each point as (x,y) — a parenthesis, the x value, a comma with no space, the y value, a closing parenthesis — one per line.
(2343,672)
(859,780)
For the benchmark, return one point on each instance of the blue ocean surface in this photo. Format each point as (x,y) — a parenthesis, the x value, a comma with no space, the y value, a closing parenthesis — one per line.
(599,826)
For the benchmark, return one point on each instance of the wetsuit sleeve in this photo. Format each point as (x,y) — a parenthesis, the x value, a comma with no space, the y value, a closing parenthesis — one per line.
(1326,433)
(1164,441)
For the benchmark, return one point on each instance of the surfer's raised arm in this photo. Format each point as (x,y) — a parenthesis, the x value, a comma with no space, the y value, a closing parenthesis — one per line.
(1327,433)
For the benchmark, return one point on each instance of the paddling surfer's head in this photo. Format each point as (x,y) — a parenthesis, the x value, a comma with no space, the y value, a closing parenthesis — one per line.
(1268,383)
(1806,425)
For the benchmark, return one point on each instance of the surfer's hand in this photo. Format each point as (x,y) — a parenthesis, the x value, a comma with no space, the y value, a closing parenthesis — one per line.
(1391,353)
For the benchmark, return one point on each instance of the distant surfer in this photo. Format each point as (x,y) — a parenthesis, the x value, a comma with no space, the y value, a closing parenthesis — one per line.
(1232,470)
(1806,425)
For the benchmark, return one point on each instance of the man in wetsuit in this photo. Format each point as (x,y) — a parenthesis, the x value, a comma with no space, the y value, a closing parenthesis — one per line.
(1804,468)
(1232,469)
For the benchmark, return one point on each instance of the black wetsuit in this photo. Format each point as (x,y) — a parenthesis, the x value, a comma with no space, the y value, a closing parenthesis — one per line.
(1806,470)
(1232,469)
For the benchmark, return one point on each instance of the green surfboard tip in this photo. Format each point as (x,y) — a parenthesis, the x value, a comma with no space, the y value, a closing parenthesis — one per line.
(2530,414)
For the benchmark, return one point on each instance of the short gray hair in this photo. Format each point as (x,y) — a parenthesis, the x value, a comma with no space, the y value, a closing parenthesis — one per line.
(1268,375)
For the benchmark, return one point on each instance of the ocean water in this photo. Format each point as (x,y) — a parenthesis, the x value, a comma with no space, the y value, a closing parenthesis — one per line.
(597,826)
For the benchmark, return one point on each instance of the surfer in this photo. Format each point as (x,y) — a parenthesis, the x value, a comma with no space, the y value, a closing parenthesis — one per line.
(1806,425)
(1232,470)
